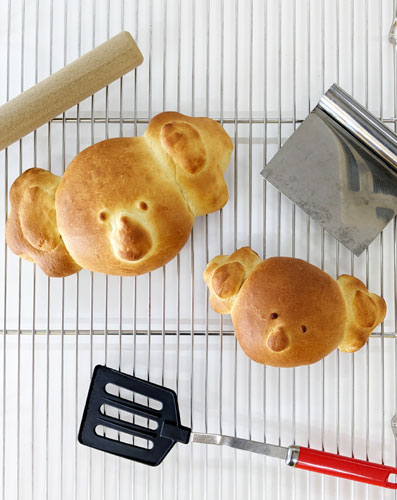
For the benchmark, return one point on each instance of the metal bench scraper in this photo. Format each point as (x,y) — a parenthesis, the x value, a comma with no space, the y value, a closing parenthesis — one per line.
(340,167)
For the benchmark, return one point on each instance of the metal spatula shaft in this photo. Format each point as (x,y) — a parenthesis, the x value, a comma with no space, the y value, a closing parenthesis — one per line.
(308,459)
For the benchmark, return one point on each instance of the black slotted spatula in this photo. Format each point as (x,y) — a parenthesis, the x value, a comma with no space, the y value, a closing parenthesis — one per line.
(161,439)
(167,430)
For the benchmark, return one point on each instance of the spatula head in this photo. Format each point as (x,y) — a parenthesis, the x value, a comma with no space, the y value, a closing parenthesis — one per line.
(350,191)
(159,427)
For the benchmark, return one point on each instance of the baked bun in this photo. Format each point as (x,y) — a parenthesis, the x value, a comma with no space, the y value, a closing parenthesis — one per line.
(126,206)
(287,312)
(31,230)
(118,211)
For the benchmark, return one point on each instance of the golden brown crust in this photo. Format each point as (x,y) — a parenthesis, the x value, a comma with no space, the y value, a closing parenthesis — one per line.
(183,143)
(278,340)
(124,206)
(197,152)
(287,312)
(227,279)
(224,276)
(299,294)
(131,240)
(136,220)
(365,311)
(31,230)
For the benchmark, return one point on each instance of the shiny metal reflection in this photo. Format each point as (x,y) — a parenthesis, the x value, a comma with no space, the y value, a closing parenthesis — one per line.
(393,31)
(340,167)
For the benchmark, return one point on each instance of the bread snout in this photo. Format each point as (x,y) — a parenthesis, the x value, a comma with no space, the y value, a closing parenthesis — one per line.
(278,340)
(130,239)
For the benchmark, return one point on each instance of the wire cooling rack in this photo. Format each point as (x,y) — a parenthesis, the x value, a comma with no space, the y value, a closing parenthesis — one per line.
(258,67)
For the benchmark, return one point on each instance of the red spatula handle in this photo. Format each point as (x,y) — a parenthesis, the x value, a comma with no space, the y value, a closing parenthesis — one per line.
(345,467)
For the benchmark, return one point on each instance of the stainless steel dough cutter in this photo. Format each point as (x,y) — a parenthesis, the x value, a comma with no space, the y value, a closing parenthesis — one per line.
(340,167)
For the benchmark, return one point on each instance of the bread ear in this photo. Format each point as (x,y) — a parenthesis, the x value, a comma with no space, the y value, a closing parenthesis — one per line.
(183,143)
(32,230)
(39,226)
(225,276)
(227,279)
(364,312)
(365,309)
(196,152)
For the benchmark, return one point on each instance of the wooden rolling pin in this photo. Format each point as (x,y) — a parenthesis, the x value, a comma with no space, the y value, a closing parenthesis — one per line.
(67,87)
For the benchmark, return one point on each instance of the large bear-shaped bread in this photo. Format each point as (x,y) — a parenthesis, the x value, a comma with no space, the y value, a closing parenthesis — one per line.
(124,206)
(287,312)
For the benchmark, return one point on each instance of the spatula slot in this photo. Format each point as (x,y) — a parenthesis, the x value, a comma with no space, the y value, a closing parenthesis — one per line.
(128,395)
(126,416)
(122,437)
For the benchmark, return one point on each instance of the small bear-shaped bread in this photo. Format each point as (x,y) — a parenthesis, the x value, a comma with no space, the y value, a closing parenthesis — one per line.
(124,206)
(287,312)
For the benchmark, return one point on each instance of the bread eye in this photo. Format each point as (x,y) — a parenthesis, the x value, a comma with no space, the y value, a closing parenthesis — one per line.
(142,205)
(102,216)
(303,329)
(274,316)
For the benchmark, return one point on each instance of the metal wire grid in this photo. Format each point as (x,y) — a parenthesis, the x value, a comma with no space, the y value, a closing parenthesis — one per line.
(159,326)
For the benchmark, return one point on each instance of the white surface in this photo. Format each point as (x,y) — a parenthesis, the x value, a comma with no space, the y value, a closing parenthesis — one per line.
(346,400)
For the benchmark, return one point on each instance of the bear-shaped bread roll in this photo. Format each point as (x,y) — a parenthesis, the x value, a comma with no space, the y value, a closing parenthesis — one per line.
(287,312)
(124,206)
